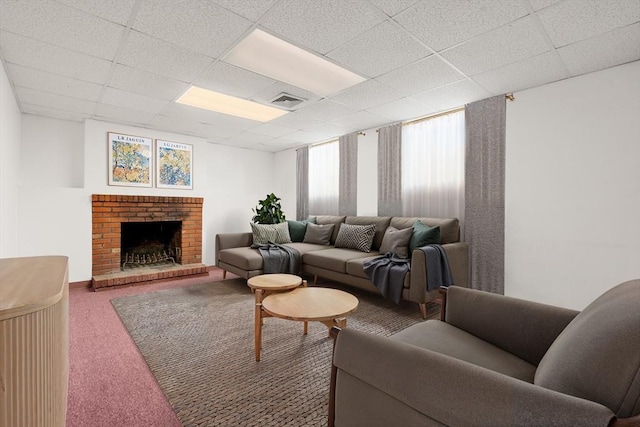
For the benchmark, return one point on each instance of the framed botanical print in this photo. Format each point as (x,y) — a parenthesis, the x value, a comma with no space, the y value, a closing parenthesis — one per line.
(174,165)
(130,160)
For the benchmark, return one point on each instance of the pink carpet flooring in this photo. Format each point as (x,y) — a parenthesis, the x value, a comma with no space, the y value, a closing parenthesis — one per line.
(109,381)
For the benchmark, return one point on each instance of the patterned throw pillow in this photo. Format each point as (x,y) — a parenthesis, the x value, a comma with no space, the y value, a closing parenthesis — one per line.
(358,237)
(318,234)
(396,241)
(276,233)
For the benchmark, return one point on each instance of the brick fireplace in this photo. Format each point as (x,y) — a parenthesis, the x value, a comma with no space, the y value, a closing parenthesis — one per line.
(110,212)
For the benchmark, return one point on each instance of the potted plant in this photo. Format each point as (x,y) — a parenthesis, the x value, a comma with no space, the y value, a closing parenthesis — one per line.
(268,211)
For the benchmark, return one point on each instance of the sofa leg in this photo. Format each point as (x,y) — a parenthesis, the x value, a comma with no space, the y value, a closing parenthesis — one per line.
(224,274)
(423,310)
(315,279)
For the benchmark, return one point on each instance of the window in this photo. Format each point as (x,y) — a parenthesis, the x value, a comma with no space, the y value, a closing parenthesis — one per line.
(433,157)
(324,178)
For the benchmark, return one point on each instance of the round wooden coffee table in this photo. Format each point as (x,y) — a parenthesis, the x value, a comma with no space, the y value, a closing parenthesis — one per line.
(264,285)
(304,304)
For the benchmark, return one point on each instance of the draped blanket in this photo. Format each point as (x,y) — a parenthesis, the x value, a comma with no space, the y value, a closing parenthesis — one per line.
(278,258)
(388,271)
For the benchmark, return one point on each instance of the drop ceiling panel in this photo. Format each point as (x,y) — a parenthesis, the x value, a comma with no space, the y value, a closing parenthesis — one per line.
(226,78)
(52,100)
(420,76)
(442,24)
(186,112)
(117,11)
(133,101)
(361,120)
(603,51)
(39,110)
(120,114)
(200,25)
(251,137)
(251,10)
(145,83)
(524,74)
(402,109)
(43,56)
(320,25)
(272,130)
(267,94)
(393,7)
(53,83)
(452,96)
(574,20)
(512,43)
(154,55)
(541,4)
(181,126)
(295,121)
(55,23)
(379,50)
(367,95)
(303,136)
(326,109)
(328,131)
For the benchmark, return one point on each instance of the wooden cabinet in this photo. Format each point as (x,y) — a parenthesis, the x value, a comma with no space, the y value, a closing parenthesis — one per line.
(34,341)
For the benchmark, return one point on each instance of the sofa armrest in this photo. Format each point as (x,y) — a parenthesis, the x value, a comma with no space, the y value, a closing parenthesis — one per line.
(232,240)
(382,373)
(458,257)
(524,328)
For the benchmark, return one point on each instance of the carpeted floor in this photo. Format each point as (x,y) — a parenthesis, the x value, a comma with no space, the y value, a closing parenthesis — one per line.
(198,342)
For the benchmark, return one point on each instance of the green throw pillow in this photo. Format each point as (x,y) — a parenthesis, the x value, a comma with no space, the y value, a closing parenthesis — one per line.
(423,235)
(298,228)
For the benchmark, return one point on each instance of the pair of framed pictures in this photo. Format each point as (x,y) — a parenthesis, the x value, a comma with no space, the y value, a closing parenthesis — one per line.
(132,160)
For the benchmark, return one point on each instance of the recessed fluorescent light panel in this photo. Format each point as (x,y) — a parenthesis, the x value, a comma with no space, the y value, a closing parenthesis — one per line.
(270,56)
(209,100)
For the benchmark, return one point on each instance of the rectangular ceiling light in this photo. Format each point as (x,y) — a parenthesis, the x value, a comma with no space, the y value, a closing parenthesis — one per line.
(270,56)
(226,104)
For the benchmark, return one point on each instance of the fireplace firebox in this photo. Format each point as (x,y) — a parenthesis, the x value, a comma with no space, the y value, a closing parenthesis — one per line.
(143,244)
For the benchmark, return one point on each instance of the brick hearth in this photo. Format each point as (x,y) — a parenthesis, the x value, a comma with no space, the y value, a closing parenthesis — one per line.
(109,211)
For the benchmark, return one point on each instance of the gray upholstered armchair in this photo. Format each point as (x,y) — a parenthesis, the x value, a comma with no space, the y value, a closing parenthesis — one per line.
(496,361)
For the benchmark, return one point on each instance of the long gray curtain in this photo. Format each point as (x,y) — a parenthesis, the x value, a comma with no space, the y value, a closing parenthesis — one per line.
(390,170)
(484,192)
(348,192)
(302,183)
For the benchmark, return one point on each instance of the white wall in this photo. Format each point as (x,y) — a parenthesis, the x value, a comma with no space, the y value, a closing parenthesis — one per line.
(9,168)
(56,219)
(573,187)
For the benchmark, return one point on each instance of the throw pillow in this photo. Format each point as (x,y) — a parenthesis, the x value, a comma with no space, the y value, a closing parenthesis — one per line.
(423,235)
(396,241)
(276,233)
(298,228)
(318,234)
(358,237)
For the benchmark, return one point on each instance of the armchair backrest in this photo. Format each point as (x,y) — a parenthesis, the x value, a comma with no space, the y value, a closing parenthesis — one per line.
(597,356)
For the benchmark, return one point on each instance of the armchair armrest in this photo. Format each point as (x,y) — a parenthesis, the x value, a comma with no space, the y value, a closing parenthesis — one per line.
(381,373)
(458,257)
(524,328)
(232,240)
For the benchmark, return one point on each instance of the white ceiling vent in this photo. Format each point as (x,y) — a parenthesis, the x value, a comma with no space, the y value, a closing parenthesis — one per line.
(285,100)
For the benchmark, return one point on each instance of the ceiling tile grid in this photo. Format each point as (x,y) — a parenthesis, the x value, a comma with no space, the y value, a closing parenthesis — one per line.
(127,61)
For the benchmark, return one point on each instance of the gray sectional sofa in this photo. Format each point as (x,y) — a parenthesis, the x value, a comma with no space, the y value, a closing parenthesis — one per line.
(234,254)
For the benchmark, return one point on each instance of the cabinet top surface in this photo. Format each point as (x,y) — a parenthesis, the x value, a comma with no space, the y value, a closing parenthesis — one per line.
(31,283)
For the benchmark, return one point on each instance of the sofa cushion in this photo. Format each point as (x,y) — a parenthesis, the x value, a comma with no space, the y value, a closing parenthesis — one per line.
(597,356)
(318,234)
(276,233)
(358,237)
(381,223)
(449,227)
(298,228)
(331,219)
(423,235)
(446,339)
(303,248)
(396,241)
(244,258)
(334,259)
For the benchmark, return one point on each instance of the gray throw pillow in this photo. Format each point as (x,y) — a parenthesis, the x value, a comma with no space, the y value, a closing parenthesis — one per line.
(358,237)
(276,233)
(318,234)
(396,241)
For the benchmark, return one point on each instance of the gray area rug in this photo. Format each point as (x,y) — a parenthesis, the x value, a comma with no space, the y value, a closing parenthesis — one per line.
(198,342)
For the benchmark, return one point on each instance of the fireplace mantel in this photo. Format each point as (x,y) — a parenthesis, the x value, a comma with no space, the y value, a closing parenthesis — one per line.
(110,211)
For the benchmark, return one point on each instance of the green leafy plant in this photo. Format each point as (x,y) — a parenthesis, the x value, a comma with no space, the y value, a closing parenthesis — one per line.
(268,211)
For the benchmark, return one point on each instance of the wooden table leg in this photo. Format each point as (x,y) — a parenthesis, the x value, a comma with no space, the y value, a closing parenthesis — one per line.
(258,324)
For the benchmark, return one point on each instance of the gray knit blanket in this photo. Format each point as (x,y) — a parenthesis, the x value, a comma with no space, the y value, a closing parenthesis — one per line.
(278,258)
(388,271)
